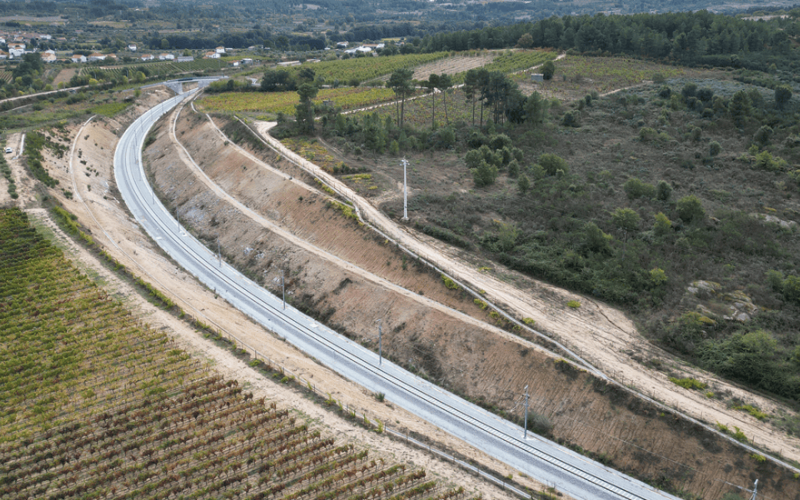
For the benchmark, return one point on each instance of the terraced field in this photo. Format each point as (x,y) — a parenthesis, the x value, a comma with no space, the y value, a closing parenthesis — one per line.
(94,404)
(284,102)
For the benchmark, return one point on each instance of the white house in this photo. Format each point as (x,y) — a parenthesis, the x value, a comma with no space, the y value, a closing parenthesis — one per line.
(3,54)
(2,40)
(78,58)
(235,64)
(132,47)
(220,50)
(342,45)
(16,49)
(49,56)
(45,37)
(289,63)
(146,57)
(166,57)
(247,61)
(364,49)
(212,55)
(185,58)
(96,57)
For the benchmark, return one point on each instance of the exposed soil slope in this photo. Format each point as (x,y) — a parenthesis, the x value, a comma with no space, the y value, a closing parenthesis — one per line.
(485,367)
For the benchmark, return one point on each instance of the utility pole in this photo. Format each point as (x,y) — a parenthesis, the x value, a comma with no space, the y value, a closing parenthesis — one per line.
(380,344)
(755,490)
(283,290)
(525,435)
(405,191)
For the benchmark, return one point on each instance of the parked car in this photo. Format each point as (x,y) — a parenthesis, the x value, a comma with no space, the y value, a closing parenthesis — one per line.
(9,150)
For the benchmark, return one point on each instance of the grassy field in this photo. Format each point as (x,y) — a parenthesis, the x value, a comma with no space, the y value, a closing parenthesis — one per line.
(284,102)
(95,404)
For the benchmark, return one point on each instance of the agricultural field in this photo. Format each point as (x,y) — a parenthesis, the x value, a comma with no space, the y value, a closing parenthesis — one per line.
(460,63)
(5,76)
(368,68)
(578,75)
(96,404)
(284,102)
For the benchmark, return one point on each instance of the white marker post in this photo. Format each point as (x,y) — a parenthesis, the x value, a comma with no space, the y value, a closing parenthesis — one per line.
(405,191)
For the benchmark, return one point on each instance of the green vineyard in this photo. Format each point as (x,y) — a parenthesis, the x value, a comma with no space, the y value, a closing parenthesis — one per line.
(367,68)
(284,102)
(93,404)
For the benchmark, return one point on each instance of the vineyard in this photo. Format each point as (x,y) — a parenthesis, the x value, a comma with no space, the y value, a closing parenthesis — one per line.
(5,76)
(418,112)
(93,404)
(368,68)
(160,67)
(511,62)
(284,102)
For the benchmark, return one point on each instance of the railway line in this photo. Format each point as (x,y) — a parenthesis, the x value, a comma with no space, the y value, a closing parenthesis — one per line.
(542,459)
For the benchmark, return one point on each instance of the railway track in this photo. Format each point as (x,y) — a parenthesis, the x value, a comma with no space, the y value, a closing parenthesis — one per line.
(542,459)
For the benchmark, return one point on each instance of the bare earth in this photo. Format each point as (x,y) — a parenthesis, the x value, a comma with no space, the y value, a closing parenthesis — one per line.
(603,336)
(100,210)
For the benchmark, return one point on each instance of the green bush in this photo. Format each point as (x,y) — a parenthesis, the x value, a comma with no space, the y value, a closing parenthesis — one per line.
(647,134)
(688,383)
(690,209)
(636,188)
(553,163)
(714,148)
(574,304)
(663,190)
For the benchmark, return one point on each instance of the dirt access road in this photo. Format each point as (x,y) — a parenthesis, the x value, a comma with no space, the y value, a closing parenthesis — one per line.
(88,168)
(601,335)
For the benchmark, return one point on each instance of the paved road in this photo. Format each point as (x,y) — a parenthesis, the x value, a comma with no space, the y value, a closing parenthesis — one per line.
(537,457)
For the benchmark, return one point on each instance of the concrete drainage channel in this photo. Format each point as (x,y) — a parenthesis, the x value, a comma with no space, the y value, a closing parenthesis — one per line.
(577,361)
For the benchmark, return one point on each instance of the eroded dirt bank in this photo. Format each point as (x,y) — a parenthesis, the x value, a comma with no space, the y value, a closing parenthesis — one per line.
(606,421)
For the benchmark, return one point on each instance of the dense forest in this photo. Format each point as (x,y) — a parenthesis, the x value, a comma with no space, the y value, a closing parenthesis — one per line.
(687,38)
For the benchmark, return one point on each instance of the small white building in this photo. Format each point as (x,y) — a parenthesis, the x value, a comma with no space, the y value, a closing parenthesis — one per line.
(364,49)
(132,47)
(247,61)
(289,63)
(16,49)
(220,50)
(49,56)
(45,37)
(235,64)
(166,57)
(185,58)
(342,45)
(96,57)
(146,57)
(3,54)
(212,55)
(78,58)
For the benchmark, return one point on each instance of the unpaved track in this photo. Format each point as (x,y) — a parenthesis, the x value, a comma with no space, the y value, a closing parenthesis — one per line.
(111,225)
(307,246)
(603,336)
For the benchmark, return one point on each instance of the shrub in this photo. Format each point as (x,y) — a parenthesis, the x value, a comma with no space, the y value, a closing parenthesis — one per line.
(647,134)
(500,141)
(755,412)
(690,208)
(552,163)
(523,183)
(636,188)
(765,161)
(763,135)
(714,148)
(571,119)
(484,175)
(450,284)
(539,423)
(705,94)
(783,94)
(548,70)
(529,321)
(662,226)
(665,92)
(689,90)
(657,277)
(688,383)
(573,304)
(663,190)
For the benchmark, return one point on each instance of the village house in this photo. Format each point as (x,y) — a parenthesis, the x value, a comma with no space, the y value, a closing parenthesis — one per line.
(16,49)
(211,55)
(96,57)
(166,57)
(185,58)
(146,57)
(220,50)
(49,56)
(78,58)
(3,54)
(132,47)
